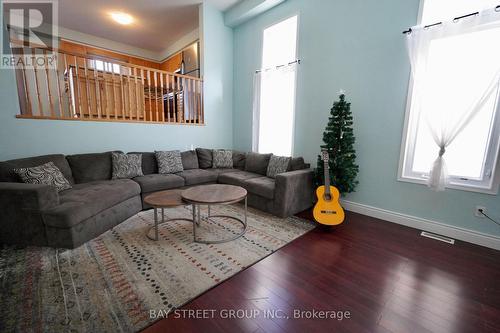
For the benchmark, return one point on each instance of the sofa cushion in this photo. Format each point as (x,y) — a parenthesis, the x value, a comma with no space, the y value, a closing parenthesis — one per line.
(46,174)
(149,164)
(277,165)
(222,158)
(126,166)
(257,163)
(7,173)
(86,200)
(204,158)
(297,163)
(189,160)
(197,176)
(169,161)
(237,177)
(239,159)
(261,186)
(219,171)
(159,182)
(91,167)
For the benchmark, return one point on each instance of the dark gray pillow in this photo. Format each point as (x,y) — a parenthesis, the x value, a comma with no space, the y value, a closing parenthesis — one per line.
(204,158)
(257,163)
(189,160)
(297,163)
(126,166)
(169,161)
(91,167)
(277,165)
(47,174)
(239,159)
(222,158)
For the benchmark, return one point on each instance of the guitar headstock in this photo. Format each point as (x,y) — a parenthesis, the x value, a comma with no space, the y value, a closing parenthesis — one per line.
(325,157)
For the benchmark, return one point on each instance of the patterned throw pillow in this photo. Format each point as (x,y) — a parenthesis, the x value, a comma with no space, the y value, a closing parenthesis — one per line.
(126,166)
(277,164)
(47,174)
(222,158)
(169,161)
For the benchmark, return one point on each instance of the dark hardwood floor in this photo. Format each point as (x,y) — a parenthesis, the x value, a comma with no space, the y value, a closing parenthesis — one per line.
(386,276)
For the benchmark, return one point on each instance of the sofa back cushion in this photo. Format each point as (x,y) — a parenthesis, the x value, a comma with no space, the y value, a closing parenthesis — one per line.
(149,164)
(90,167)
(297,163)
(204,158)
(239,159)
(7,173)
(257,163)
(189,160)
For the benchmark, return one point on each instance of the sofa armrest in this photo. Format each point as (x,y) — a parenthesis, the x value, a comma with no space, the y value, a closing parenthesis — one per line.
(293,192)
(21,220)
(35,197)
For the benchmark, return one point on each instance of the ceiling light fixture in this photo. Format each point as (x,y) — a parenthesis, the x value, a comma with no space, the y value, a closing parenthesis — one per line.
(122,18)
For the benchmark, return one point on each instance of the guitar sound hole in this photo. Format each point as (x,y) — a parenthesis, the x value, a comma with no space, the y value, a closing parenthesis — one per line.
(327,197)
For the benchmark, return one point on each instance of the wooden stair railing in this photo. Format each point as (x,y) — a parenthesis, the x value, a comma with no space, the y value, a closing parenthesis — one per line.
(81,87)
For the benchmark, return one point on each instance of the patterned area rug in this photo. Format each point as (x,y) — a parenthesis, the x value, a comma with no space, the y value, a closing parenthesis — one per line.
(111,283)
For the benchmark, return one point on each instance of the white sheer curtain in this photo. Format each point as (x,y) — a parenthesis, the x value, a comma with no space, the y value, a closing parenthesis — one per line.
(273,110)
(432,97)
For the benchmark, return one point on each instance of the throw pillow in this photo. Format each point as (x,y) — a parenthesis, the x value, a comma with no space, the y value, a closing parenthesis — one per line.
(189,160)
(204,157)
(239,159)
(222,158)
(47,174)
(277,165)
(169,161)
(257,163)
(126,166)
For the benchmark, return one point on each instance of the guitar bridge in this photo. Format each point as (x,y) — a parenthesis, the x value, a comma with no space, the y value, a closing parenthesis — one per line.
(328,212)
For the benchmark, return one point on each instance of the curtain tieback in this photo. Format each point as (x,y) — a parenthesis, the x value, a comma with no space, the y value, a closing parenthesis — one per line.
(442,150)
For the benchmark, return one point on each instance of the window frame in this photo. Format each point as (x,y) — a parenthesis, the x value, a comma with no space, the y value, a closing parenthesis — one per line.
(407,150)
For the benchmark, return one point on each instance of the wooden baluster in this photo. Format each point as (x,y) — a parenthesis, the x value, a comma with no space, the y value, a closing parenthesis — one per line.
(174,98)
(136,92)
(29,107)
(87,87)
(149,97)
(47,82)
(113,93)
(105,106)
(157,118)
(195,94)
(97,91)
(143,109)
(71,106)
(123,110)
(161,98)
(191,101)
(59,95)
(129,93)
(201,103)
(167,79)
(37,86)
(80,114)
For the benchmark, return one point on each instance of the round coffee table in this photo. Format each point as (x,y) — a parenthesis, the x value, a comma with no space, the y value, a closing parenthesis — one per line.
(162,200)
(215,194)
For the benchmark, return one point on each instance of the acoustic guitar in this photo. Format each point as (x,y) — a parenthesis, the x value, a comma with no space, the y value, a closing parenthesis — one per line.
(328,210)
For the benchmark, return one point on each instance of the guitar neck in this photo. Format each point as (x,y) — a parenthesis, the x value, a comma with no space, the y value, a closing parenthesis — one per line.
(327,178)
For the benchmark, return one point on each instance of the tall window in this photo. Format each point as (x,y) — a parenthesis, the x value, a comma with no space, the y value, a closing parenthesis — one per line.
(453,115)
(274,92)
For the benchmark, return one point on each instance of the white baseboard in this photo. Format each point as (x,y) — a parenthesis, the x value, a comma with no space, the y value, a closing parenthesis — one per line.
(440,228)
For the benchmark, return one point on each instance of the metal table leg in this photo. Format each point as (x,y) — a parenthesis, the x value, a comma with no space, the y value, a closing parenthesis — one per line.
(156,236)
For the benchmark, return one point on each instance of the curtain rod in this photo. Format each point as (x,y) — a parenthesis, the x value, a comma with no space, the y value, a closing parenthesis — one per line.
(497,9)
(276,67)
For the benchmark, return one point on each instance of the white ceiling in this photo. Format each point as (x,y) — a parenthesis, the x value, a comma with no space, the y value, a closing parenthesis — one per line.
(158,23)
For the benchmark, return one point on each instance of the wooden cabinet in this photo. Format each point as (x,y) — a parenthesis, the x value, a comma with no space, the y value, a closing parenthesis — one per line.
(172,64)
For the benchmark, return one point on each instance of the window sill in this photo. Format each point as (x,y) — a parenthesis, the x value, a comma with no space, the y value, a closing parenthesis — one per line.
(459,187)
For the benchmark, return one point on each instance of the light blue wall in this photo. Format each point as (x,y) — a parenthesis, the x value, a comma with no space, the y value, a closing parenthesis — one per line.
(23,137)
(354,45)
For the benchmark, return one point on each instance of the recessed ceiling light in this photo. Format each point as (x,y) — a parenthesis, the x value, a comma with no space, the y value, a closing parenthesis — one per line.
(122,18)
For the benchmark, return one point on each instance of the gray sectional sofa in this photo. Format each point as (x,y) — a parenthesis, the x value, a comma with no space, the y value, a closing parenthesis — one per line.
(33,214)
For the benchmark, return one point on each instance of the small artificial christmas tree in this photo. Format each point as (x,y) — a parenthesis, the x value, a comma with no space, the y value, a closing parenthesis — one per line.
(339,139)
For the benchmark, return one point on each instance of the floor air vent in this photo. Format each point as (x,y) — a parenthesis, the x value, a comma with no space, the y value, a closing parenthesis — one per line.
(437,237)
